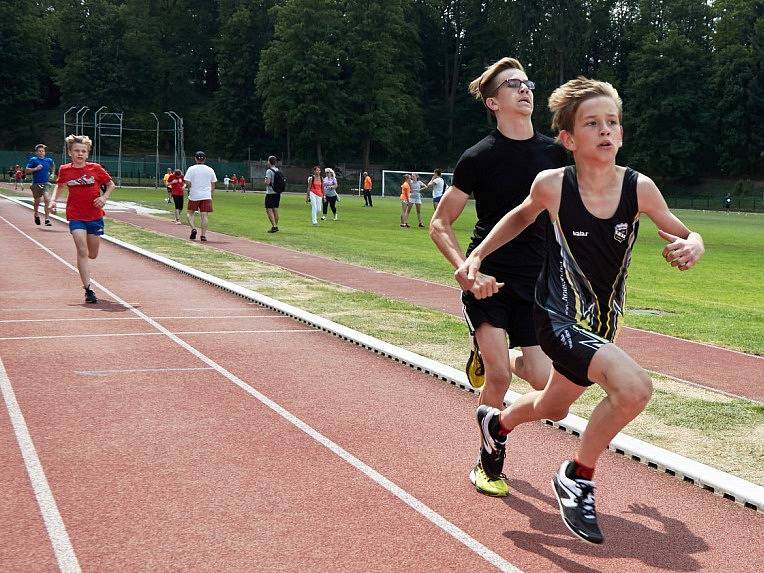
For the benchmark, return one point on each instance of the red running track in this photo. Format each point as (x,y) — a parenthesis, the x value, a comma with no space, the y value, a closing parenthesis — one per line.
(728,371)
(157,461)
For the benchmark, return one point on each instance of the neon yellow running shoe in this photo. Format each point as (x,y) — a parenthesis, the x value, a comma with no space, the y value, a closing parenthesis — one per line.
(475,369)
(487,486)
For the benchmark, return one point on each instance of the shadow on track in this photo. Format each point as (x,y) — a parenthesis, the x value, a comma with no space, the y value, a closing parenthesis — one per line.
(669,548)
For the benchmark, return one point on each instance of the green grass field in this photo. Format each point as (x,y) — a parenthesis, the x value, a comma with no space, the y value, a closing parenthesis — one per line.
(719,301)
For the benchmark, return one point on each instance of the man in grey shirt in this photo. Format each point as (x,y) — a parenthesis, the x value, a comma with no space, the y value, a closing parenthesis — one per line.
(272,198)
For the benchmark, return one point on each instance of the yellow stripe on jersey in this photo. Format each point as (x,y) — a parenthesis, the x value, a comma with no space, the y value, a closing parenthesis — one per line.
(567,257)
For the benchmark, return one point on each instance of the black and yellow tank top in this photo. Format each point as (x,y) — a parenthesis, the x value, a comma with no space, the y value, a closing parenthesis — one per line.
(583,280)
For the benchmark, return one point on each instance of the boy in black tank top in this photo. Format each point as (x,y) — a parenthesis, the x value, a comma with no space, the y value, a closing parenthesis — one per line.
(594,209)
(498,172)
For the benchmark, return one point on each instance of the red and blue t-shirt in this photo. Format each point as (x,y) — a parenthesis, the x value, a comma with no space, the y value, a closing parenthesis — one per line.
(84,185)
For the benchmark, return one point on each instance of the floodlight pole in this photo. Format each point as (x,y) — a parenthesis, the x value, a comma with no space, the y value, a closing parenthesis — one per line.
(175,139)
(156,161)
(63,149)
(95,131)
(77,119)
(82,119)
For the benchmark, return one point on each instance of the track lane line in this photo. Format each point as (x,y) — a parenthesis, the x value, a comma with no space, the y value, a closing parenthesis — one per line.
(117,334)
(54,523)
(21,320)
(414,503)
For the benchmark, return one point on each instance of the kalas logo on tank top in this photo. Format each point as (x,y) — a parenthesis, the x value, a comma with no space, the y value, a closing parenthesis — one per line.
(84,180)
(620,232)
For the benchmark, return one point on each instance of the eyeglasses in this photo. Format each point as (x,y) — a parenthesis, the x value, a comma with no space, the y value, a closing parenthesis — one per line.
(515,84)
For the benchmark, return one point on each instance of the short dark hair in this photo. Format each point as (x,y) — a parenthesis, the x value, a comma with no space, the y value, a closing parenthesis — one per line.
(39,145)
(438,172)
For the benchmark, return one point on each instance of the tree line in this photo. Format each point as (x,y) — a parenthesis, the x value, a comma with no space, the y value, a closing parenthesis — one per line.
(385,82)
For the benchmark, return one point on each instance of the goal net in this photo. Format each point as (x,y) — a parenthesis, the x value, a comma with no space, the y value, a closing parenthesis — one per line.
(392,181)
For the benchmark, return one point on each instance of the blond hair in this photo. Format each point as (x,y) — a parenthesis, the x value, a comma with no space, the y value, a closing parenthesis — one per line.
(72,139)
(484,86)
(566,99)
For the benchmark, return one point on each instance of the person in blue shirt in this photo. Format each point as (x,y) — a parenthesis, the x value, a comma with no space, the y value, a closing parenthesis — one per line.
(40,167)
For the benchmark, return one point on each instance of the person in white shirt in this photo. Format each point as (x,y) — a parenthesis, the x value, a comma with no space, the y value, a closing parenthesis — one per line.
(226,182)
(438,187)
(201,180)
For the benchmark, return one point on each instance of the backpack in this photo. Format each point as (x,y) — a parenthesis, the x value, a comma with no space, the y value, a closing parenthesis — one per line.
(279,181)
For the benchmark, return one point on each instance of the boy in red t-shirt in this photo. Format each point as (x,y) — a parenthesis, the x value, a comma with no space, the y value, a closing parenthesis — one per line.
(84,204)
(177,185)
(234,182)
(18,176)
(243,183)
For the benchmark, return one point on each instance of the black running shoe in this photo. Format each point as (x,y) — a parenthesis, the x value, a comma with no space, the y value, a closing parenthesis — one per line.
(48,223)
(90,296)
(203,238)
(576,499)
(493,448)
(193,234)
(36,219)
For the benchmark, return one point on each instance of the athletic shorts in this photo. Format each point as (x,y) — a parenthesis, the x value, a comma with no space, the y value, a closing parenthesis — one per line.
(436,200)
(90,227)
(505,310)
(272,200)
(38,190)
(571,347)
(203,206)
(416,199)
(178,200)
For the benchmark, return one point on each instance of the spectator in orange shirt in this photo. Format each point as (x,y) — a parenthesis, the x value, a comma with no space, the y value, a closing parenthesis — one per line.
(367,190)
(405,200)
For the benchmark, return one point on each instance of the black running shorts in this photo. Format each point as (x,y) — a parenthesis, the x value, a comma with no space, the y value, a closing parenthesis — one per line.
(503,310)
(178,200)
(272,200)
(570,346)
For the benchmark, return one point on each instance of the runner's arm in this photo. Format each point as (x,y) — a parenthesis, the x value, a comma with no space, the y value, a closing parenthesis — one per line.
(511,225)
(684,247)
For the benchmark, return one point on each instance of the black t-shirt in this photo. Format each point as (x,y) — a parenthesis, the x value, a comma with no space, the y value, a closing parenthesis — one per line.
(498,172)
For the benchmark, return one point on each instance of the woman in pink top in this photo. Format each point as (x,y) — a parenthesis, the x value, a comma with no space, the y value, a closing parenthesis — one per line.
(315,194)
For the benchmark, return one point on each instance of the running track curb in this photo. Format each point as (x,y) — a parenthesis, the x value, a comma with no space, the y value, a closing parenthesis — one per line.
(721,483)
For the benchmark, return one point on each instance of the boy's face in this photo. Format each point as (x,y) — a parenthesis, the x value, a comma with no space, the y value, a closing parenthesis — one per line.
(511,100)
(597,131)
(79,153)
(40,151)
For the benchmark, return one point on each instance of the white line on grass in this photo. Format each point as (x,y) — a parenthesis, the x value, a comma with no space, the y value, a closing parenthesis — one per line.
(432,516)
(59,538)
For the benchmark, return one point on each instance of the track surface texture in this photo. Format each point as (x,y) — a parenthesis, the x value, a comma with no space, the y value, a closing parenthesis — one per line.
(728,371)
(156,434)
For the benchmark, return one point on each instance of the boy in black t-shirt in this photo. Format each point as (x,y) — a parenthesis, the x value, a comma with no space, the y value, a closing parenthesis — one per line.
(498,172)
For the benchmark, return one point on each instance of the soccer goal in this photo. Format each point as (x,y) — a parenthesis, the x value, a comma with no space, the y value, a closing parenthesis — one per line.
(392,181)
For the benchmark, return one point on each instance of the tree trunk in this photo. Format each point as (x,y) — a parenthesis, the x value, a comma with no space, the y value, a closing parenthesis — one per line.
(366,152)
(289,147)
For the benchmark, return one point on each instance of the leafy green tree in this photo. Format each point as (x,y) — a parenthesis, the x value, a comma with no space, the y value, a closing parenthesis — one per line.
(25,49)
(735,71)
(300,75)
(245,29)
(381,75)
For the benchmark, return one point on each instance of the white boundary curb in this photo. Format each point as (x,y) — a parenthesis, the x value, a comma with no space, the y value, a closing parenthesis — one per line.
(721,483)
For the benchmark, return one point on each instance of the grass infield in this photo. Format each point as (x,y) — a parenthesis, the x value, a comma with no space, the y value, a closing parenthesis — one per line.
(723,432)
(720,301)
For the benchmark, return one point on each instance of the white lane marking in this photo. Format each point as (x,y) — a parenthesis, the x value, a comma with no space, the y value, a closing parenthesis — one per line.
(425,511)
(113,334)
(59,538)
(133,370)
(136,318)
